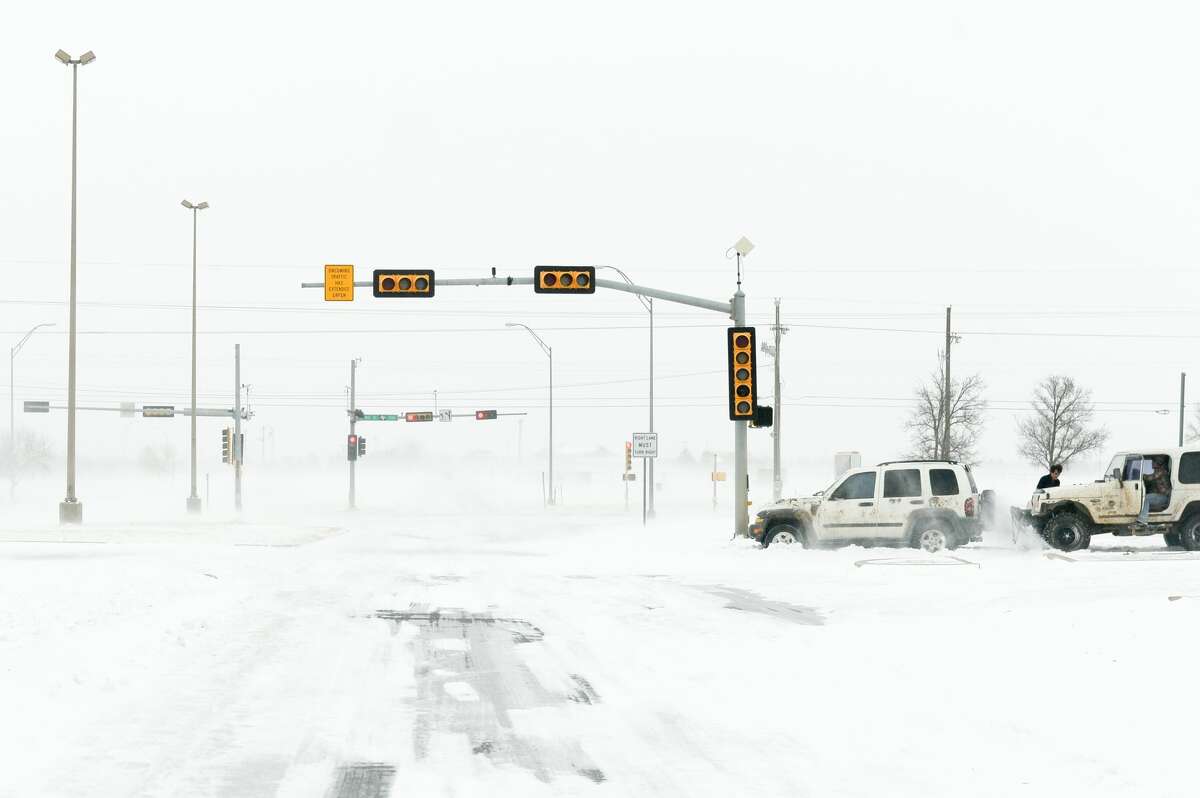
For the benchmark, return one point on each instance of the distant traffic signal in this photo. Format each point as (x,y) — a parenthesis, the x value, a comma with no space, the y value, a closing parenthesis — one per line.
(628,456)
(403,282)
(743,388)
(485,415)
(424,415)
(227,445)
(351,447)
(362,446)
(564,279)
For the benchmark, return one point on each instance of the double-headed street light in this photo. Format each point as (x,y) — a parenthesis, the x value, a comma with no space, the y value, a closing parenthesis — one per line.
(70,510)
(12,423)
(193,501)
(550,354)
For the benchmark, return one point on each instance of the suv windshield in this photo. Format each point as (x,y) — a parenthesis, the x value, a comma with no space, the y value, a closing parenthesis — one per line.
(1117,464)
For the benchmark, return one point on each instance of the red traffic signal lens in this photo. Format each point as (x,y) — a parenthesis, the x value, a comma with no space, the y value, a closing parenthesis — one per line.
(741,341)
(550,279)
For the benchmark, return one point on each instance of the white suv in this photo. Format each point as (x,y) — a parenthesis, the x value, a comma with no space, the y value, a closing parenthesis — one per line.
(930,504)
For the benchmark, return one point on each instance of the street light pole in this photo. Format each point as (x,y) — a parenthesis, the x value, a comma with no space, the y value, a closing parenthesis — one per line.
(193,501)
(12,422)
(549,354)
(648,304)
(70,510)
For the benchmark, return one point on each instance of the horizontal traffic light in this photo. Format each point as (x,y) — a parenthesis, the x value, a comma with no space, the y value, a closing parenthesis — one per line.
(564,279)
(485,415)
(402,282)
(743,376)
(424,415)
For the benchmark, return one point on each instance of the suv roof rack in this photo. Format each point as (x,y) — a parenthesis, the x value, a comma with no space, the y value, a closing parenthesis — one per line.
(894,462)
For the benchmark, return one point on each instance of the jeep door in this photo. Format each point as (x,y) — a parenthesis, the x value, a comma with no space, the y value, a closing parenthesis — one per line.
(1123,495)
(849,509)
(902,496)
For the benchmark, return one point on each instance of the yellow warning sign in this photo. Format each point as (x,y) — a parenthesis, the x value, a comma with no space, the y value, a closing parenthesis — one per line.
(339,283)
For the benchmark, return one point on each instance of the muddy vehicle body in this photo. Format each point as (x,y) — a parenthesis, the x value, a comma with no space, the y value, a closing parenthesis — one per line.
(1068,516)
(929,504)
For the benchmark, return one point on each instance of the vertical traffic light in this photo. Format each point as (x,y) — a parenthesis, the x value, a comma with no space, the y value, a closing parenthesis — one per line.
(351,447)
(628,457)
(743,389)
(227,445)
(564,279)
(362,446)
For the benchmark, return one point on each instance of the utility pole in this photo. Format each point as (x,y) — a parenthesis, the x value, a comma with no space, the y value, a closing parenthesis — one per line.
(777,469)
(946,394)
(1182,402)
(353,407)
(237,427)
(550,355)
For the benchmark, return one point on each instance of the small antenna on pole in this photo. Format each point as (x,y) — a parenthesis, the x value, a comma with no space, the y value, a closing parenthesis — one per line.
(742,248)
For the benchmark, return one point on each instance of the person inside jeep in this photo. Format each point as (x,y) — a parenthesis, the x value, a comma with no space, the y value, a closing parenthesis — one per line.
(1158,491)
(1051,479)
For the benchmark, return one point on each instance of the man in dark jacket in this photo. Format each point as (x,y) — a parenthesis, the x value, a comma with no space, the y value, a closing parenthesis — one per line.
(1051,479)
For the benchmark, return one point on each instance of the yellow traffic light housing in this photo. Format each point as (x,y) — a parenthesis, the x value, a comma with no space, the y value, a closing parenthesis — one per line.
(402,282)
(743,376)
(564,279)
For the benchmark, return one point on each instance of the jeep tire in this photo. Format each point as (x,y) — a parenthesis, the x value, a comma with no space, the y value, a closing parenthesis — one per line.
(1172,539)
(1068,532)
(934,537)
(1189,533)
(783,535)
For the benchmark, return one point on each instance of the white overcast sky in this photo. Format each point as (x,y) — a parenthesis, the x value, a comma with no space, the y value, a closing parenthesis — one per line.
(1035,165)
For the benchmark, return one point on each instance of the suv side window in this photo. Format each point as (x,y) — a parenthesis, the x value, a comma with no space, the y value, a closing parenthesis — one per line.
(943,482)
(856,486)
(1189,468)
(901,483)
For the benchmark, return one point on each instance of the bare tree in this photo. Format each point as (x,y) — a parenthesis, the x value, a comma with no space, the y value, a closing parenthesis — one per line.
(1060,428)
(928,419)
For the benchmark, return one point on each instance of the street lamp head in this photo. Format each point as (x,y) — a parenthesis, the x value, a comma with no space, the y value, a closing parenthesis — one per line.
(202,206)
(510,324)
(743,246)
(187,205)
(62,56)
(87,57)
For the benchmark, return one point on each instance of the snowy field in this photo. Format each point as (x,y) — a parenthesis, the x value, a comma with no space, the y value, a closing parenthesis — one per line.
(432,647)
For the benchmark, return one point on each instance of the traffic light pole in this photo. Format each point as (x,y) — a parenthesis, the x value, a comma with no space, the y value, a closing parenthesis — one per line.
(735,309)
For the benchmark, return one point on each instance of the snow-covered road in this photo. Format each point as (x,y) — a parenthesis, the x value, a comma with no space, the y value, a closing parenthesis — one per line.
(568,654)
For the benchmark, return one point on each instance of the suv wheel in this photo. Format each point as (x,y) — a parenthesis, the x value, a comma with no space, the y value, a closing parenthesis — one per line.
(933,538)
(1189,533)
(782,535)
(1068,532)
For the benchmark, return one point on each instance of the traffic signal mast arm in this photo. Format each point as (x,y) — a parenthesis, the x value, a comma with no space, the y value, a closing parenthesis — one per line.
(615,285)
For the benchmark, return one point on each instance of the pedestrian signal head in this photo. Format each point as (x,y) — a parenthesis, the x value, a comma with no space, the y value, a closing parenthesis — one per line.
(403,282)
(743,389)
(564,279)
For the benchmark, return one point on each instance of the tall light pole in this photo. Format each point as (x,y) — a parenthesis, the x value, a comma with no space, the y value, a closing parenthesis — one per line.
(648,304)
(550,354)
(12,419)
(70,509)
(193,502)
(777,422)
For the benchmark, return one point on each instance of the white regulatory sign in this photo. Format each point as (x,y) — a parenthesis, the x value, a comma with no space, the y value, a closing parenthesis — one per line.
(645,444)
(445,415)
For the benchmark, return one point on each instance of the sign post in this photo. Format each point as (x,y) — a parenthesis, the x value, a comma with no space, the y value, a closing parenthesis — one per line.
(645,446)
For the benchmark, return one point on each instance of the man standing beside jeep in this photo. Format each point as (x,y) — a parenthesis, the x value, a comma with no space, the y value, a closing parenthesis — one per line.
(1158,490)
